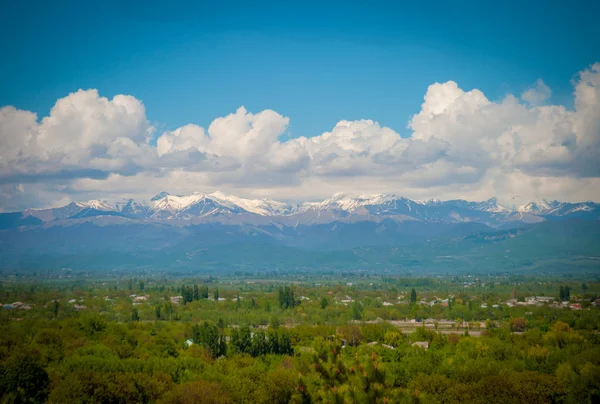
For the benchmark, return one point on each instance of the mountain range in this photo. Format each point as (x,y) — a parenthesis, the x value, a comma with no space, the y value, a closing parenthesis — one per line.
(214,230)
(217,207)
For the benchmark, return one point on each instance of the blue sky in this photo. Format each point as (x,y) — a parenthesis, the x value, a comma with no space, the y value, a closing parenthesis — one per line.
(516,111)
(317,62)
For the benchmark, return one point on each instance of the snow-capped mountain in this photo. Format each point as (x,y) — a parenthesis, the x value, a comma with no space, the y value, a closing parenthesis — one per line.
(540,207)
(200,204)
(96,204)
(218,206)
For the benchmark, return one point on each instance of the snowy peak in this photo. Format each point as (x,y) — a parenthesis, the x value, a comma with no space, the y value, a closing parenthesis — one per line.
(539,207)
(341,201)
(96,204)
(159,196)
(344,202)
(201,204)
(491,205)
(131,208)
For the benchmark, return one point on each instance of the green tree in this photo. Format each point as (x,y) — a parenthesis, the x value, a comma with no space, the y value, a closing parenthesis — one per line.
(565,293)
(286,298)
(413,296)
(135,314)
(187,293)
(55,308)
(324,302)
(209,337)
(260,345)
(199,391)
(357,310)
(241,340)
(169,309)
(23,380)
(216,294)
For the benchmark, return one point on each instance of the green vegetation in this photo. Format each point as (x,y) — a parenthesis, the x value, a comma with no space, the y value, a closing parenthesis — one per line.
(342,338)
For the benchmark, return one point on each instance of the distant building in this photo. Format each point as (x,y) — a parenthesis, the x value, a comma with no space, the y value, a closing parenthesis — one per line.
(421,344)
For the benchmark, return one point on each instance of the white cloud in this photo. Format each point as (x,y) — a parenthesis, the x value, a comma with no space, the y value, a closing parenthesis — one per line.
(462,145)
(85,134)
(538,94)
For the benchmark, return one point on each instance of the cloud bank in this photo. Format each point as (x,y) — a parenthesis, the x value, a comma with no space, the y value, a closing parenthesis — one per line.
(462,145)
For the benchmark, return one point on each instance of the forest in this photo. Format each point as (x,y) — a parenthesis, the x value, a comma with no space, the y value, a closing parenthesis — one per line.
(339,339)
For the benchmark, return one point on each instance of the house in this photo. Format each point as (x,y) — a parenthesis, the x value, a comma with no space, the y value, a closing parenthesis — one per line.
(421,344)
(189,342)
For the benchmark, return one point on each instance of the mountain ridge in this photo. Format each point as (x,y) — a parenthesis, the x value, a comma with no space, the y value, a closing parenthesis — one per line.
(217,206)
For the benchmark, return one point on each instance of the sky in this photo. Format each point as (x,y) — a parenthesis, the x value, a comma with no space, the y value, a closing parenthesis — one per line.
(299,100)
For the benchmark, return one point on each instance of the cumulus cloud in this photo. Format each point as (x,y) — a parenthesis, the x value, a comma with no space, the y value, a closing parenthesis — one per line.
(538,94)
(84,135)
(462,145)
